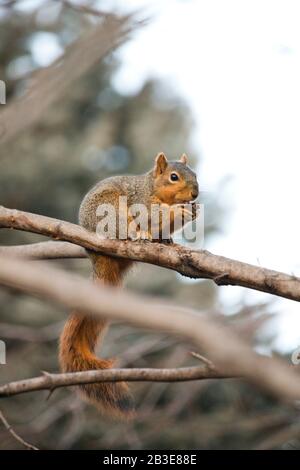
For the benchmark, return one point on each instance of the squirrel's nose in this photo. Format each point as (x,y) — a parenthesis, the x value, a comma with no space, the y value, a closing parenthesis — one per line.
(195,192)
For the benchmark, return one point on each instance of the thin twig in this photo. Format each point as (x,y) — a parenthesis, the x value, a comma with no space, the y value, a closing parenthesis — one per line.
(15,435)
(203,359)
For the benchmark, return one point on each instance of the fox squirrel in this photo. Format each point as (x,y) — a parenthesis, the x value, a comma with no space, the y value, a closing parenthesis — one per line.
(168,183)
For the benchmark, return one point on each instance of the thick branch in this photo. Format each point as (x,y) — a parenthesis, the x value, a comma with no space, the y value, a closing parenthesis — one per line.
(44,250)
(193,263)
(52,381)
(229,354)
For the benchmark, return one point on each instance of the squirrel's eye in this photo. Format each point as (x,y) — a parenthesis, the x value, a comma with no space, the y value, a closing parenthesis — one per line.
(174,177)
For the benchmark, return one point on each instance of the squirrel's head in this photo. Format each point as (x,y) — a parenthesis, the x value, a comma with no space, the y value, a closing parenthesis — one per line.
(174,182)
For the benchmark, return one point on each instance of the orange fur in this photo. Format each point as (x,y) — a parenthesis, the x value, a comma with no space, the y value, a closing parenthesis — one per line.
(81,332)
(80,337)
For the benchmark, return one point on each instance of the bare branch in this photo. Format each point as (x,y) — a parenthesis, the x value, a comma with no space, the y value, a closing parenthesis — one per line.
(203,359)
(192,263)
(52,381)
(228,352)
(49,83)
(44,250)
(26,333)
(15,435)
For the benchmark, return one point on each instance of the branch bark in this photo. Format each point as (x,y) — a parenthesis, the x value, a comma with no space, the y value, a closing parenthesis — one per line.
(229,354)
(191,263)
(44,250)
(52,381)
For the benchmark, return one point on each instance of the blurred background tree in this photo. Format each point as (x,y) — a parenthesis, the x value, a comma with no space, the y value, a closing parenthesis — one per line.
(91,133)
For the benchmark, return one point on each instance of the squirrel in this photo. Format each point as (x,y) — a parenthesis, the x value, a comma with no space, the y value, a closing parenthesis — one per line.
(169,183)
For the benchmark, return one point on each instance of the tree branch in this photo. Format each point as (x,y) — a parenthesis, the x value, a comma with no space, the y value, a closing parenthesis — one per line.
(227,351)
(14,434)
(192,263)
(49,83)
(52,381)
(44,250)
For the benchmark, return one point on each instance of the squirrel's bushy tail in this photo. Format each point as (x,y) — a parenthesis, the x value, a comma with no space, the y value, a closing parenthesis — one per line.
(79,339)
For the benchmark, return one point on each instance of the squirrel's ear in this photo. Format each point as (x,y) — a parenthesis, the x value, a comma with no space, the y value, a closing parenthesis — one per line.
(183,159)
(161,164)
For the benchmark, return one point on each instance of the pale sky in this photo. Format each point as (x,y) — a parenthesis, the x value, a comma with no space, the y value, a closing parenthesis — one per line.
(237,63)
